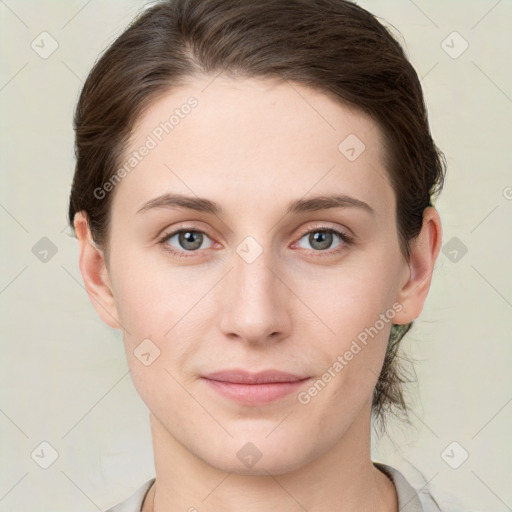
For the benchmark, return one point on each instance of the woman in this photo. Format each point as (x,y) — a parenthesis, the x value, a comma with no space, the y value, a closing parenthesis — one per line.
(253,203)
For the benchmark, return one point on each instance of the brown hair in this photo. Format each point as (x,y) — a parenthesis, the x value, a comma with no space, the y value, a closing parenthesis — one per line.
(332,46)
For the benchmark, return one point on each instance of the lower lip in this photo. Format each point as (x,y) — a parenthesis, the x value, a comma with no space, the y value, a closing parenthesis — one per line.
(255,393)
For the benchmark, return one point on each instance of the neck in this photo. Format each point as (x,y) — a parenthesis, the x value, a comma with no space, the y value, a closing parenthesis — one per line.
(343,479)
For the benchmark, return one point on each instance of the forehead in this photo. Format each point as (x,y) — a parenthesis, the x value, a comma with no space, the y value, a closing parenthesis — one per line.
(250,140)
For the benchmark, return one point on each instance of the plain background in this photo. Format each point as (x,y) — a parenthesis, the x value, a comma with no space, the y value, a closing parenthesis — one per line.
(64,378)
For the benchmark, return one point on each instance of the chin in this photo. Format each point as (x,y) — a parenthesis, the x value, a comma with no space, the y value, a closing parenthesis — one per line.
(258,457)
(264,467)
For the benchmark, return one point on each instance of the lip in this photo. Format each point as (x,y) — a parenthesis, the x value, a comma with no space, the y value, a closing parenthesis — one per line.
(254,388)
(238,376)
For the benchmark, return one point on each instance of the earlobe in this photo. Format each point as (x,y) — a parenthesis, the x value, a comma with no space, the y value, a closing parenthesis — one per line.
(424,250)
(94,273)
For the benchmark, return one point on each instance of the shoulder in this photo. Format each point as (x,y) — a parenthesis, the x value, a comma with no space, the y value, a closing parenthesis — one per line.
(409,499)
(134,502)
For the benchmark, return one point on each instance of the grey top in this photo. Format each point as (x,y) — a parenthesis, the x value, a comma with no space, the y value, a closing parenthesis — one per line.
(409,500)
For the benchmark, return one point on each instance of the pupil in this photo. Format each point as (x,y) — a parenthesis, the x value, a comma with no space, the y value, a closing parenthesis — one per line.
(187,240)
(323,239)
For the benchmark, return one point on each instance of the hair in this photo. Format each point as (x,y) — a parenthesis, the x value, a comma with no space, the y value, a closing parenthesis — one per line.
(332,46)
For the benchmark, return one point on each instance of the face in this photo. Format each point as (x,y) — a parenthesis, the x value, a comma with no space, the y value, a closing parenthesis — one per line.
(263,275)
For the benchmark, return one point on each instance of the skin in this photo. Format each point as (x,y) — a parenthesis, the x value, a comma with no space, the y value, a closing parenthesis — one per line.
(253,146)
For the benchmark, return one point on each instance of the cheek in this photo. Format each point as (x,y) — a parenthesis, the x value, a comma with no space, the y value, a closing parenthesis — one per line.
(151,296)
(348,299)
(354,313)
(152,306)
(163,311)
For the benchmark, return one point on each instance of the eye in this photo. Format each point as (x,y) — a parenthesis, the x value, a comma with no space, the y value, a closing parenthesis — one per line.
(185,240)
(322,238)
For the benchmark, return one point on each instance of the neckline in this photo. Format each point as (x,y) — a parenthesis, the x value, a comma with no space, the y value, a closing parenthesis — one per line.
(151,484)
(408,498)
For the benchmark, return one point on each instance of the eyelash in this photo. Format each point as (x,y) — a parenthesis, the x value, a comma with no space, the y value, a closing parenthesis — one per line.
(347,240)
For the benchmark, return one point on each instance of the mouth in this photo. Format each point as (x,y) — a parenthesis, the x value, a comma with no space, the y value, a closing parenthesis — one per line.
(254,388)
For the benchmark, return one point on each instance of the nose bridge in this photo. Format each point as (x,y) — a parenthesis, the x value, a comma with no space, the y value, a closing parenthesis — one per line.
(251,272)
(255,308)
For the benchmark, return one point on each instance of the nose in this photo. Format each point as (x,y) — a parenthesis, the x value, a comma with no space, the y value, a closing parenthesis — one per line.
(255,306)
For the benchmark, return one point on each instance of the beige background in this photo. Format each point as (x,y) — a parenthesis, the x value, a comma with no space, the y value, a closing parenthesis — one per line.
(64,378)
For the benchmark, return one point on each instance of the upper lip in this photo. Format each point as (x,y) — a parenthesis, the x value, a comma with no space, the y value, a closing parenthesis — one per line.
(237,376)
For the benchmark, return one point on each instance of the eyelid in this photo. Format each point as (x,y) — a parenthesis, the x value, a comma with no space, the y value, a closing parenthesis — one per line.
(169,234)
(322,226)
(347,238)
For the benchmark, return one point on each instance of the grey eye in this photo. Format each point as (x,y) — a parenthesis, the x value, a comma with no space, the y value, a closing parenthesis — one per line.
(320,239)
(188,240)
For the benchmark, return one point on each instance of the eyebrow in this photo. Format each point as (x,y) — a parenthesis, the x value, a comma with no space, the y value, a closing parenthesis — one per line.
(199,204)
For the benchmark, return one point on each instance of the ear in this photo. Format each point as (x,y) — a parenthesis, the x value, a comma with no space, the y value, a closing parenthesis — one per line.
(423,254)
(94,273)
